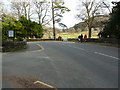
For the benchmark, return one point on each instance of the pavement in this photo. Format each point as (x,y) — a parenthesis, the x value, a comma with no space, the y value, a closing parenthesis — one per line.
(61,65)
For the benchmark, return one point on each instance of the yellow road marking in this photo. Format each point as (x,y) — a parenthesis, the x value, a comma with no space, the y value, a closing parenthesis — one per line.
(39,82)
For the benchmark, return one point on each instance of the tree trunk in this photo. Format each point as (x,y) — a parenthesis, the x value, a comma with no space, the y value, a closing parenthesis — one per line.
(54,34)
(89,33)
(39,19)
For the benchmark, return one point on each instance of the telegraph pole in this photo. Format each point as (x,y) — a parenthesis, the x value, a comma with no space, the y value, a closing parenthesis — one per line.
(53,18)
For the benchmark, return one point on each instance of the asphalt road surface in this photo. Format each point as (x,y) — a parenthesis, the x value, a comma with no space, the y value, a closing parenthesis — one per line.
(62,65)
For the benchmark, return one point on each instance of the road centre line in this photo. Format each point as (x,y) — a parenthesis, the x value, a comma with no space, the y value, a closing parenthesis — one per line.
(99,53)
(96,53)
(83,50)
(79,48)
(107,55)
(68,42)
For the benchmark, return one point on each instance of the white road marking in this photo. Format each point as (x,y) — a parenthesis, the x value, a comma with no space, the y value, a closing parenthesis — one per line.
(77,48)
(68,42)
(87,51)
(42,48)
(44,57)
(96,53)
(106,55)
(81,49)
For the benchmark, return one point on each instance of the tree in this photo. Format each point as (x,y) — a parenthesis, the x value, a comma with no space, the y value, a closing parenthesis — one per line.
(3,9)
(42,8)
(63,26)
(22,8)
(37,30)
(31,28)
(91,8)
(9,23)
(23,28)
(58,9)
(112,28)
(1,6)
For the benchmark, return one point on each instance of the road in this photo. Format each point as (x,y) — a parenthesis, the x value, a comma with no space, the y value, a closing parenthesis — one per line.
(63,65)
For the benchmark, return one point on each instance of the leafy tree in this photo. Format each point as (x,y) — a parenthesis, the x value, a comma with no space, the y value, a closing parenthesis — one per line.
(25,23)
(63,26)
(58,9)
(9,23)
(37,30)
(113,26)
(31,28)
(23,28)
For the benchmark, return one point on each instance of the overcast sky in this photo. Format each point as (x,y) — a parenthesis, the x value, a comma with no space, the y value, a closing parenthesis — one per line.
(69,17)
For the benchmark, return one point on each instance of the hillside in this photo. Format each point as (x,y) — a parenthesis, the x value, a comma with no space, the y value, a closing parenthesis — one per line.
(80,28)
(98,23)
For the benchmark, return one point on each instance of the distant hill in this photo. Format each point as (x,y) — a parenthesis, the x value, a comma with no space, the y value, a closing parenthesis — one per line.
(98,23)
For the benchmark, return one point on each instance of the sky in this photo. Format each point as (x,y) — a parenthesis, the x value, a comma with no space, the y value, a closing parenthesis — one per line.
(69,17)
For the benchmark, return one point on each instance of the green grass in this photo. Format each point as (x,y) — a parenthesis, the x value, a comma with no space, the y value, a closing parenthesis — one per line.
(75,35)
(71,35)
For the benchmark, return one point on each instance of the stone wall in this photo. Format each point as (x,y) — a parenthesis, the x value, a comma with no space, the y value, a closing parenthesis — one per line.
(13,46)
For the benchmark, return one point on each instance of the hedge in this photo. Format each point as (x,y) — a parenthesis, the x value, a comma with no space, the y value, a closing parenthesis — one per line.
(8,46)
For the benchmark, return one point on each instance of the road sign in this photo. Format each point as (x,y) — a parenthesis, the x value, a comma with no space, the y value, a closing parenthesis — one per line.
(11,33)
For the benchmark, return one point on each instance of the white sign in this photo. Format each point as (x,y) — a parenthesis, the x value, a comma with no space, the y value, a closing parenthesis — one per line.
(11,33)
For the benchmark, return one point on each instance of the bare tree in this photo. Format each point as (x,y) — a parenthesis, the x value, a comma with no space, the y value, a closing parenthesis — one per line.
(22,8)
(17,9)
(42,9)
(3,8)
(91,8)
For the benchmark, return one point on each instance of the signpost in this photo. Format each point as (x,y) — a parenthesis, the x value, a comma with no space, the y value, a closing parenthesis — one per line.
(11,34)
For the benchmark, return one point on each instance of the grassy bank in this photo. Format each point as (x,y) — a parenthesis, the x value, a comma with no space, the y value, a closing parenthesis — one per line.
(70,35)
(75,35)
